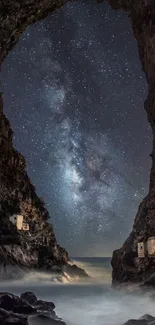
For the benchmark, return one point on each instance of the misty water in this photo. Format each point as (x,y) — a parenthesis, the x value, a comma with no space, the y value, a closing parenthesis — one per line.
(92,303)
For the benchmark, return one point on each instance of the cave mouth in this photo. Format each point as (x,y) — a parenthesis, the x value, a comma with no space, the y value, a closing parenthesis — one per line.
(75,101)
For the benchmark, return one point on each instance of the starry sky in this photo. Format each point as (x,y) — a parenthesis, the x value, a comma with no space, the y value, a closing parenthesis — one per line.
(74,92)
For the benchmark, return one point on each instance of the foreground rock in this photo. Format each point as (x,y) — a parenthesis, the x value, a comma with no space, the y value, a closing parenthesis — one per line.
(13,303)
(144,320)
(26,310)
(39,305)
(44,320)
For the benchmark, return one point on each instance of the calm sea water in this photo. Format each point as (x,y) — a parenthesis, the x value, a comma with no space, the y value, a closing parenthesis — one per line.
(91,303)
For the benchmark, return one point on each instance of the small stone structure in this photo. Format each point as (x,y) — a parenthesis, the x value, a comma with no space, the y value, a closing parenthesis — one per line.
(18,220)
(151,246)
(141,249)
(147,249)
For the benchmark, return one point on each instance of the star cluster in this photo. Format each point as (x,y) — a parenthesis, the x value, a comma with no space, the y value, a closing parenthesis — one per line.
(74,92)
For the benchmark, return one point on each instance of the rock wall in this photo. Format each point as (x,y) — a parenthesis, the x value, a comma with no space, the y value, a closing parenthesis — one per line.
(18,196)
(17,192)
(126,266)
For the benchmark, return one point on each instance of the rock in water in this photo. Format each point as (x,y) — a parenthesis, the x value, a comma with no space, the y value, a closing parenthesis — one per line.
(147,317)
(40,305)
(8,318)
(136,322)
(143,320)
(19,311)
(15,304)
(44,320)
(29,297)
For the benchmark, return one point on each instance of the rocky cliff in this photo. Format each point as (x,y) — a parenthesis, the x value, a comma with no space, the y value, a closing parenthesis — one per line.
(126,266)
(36,249)
(16,190)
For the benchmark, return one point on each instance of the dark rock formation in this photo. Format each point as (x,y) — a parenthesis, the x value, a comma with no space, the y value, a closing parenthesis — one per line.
(17,194)
(39,305)
(19,311)
(136,322)
(144,320)
(9,318)
(133,269)
(147,317)
(31,298)
(44,320)
(13,303)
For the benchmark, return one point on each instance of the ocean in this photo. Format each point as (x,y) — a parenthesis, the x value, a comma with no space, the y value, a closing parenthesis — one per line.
(87,303)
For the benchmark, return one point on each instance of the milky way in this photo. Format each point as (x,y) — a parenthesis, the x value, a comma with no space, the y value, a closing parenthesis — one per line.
(74,96)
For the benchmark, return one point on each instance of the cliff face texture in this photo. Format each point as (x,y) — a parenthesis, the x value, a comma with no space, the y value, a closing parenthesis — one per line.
(126,266)
(22,251)
(17,194)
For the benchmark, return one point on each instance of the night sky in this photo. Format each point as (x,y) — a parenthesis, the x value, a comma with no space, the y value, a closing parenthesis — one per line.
(74,92)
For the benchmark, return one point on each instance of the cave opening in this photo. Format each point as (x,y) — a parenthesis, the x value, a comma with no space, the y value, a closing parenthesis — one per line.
(77,92)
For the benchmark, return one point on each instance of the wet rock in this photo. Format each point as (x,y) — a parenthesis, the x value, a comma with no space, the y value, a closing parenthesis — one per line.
(152,323)
(29,297)
(8,301)
(17,310)
(143,320)
(15,304)
(40,305)
(44,319)
(137,322)
(45,306)
(7,318)
(24,308)
(73,271)
(3,314)
(13,320)
(150,282)
(147,317)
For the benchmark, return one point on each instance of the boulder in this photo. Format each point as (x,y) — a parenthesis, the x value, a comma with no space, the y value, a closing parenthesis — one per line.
(24,308)
(137,322)
(74,271)
(3,314)
(29,297)
(152,323)
(44,319)
(8,301)
(19,310)
(45,306)
(12,320)
(150,281)
(13,303)
(8,318)
(40,305)
(147,317)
